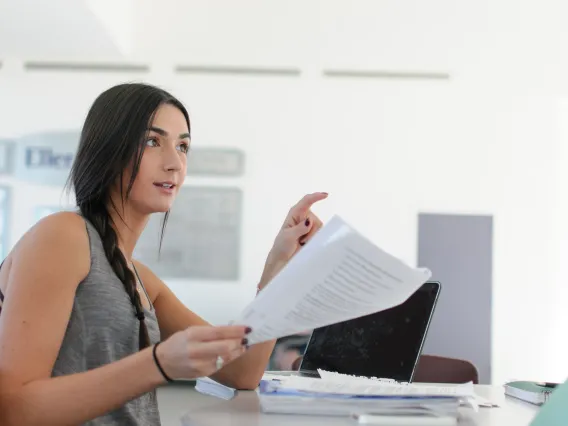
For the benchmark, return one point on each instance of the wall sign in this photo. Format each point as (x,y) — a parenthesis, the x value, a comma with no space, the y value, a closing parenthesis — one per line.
(38,157)
(45,158)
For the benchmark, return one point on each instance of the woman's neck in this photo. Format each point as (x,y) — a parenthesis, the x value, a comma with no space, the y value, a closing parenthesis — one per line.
(128,226)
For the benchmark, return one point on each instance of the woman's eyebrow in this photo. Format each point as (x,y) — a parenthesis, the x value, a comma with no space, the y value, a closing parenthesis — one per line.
(162,132)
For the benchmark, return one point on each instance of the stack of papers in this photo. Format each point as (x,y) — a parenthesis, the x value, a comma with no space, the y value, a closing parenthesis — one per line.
(341,395)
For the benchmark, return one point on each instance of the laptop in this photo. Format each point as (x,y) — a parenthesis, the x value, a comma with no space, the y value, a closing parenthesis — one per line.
(384,344)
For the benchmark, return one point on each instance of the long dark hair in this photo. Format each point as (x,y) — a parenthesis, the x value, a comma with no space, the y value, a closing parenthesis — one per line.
(112,141)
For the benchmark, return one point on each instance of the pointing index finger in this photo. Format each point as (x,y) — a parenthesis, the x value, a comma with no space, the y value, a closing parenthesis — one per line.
(307,201)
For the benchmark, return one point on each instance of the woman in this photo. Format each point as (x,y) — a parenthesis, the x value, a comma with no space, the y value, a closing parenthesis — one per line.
(86,332)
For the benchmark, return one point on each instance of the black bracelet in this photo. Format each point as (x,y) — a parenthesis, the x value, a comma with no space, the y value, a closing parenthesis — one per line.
(168,378)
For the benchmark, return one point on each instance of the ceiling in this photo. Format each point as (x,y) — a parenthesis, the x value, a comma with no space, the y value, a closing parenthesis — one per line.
(378,33)
(57,29)
(294,33)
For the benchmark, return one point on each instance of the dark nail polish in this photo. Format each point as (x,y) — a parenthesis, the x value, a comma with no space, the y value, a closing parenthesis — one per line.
(248,330)
(244,342)
(308,222)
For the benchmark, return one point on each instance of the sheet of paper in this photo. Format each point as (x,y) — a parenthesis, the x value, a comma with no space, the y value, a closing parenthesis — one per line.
(339,275)
(333,376)
(484,402)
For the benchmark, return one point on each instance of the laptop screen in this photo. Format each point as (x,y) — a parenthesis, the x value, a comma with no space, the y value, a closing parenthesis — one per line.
(385,344)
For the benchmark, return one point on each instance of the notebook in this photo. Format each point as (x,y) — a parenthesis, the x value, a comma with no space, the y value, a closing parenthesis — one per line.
(528,391)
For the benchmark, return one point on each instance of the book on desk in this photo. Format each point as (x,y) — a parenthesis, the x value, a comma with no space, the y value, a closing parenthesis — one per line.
(534,392)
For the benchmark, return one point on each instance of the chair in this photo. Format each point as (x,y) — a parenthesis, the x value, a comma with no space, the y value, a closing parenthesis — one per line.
(436,369)
(439,369)
(296,363)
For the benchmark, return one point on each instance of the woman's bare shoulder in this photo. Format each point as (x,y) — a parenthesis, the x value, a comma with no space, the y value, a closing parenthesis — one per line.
(55,238)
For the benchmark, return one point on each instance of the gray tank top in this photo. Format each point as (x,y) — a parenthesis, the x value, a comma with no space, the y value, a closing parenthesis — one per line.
(102,329)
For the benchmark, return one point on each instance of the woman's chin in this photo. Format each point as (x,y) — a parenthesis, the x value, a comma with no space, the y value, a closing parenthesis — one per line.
(162,209)
(156,208)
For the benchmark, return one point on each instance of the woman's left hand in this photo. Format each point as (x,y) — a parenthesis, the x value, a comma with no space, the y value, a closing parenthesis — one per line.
(299,226)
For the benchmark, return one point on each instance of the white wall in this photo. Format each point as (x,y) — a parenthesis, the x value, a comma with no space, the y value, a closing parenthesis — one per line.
(491,140)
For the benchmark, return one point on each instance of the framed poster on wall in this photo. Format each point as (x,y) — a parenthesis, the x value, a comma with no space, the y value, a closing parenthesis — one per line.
(202,238)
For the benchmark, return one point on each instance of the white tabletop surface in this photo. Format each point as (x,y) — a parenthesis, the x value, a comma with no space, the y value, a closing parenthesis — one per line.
(181,404)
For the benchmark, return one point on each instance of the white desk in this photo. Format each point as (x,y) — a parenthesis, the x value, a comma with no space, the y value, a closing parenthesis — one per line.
(181,400)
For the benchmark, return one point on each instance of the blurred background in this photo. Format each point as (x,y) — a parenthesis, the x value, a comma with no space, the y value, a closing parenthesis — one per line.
(438,127)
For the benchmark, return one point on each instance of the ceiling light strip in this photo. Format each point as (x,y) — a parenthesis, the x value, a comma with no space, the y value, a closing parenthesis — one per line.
(388,75)
(84,66)
(229,70)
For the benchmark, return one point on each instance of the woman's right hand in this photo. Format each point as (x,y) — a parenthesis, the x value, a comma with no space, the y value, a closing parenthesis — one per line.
(193,352)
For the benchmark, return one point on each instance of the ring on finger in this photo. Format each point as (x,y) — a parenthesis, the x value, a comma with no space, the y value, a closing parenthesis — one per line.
(219,363)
